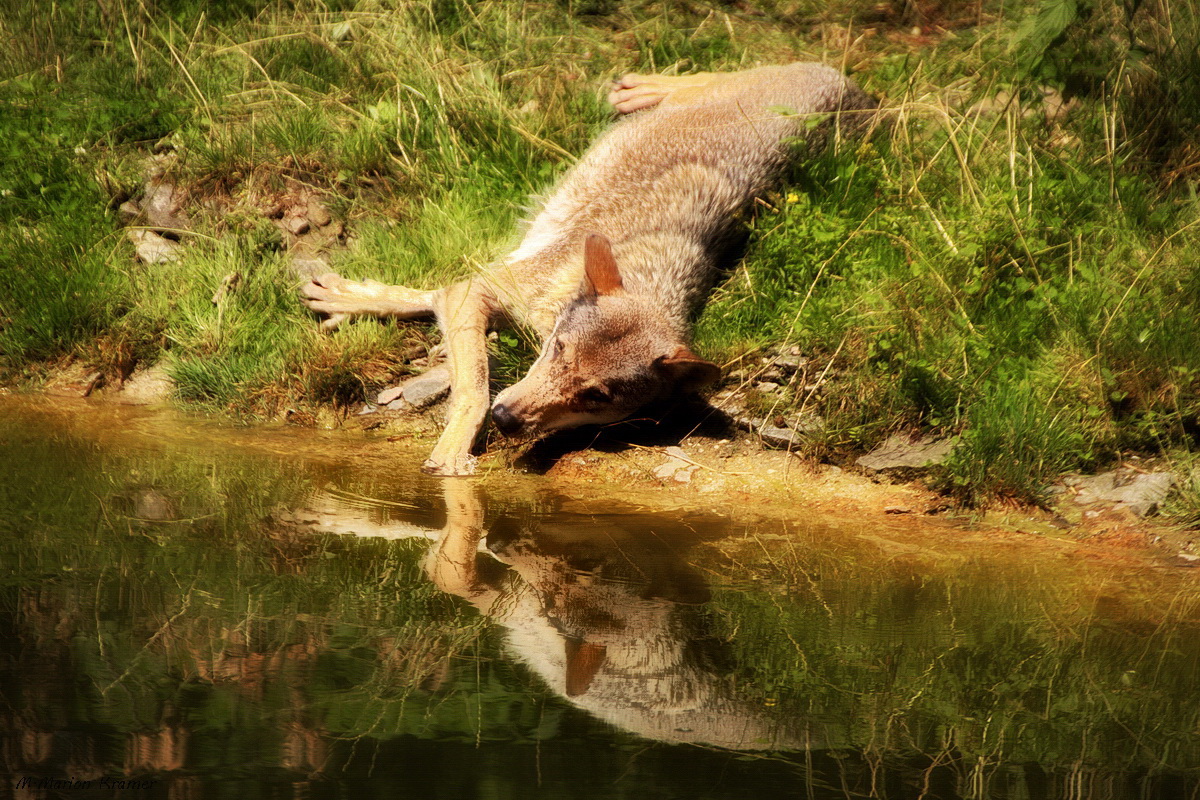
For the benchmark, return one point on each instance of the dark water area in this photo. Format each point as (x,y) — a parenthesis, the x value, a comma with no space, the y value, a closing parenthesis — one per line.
(191,610)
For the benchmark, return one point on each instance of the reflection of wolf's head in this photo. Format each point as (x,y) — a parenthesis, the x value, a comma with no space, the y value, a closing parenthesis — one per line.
(613,619)
(586,606)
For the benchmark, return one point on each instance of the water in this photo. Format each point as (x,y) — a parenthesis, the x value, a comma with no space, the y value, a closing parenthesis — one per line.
(200,611)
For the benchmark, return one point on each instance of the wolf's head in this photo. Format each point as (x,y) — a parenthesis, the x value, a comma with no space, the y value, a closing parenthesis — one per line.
(609,354)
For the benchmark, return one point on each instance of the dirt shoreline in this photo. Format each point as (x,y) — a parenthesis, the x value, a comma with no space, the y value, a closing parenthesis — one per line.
(731,474)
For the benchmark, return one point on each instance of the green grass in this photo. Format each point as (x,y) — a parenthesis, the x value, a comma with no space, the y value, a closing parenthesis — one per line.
(1022,281)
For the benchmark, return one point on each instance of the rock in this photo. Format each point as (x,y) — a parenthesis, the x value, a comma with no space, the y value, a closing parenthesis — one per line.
(791,435)
(146,387)
(318,215)
(152,248)
(162,206)
(678,467)
(425,389)
(809,423)
(297,226)
(1138,492)
(779,437)
(308,261)
(388,395)
(128,212)
(901,453)
(791,362)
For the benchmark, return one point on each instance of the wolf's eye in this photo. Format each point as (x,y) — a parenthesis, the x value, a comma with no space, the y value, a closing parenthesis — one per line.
(594,395)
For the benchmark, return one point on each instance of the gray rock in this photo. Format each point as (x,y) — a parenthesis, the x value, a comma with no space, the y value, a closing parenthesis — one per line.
(1138,492)
(779,437)
(427,388)
(146,387)
(162,206)
(388,395)
(787,361)
(317,214)
(678,467)
(129,212)
(152,248)
(901,453)
(792,434)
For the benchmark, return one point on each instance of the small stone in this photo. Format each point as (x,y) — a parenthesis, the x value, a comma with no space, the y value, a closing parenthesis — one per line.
(778,437)
(791,435)
(163,206)
(789,361)
(1138,492)
(152,248)
(900,453)
(146,387)
(318,215)
(298,226)
(427,388)
(767,387)
(128,212)
(388,395)
(310,265)
(678,467)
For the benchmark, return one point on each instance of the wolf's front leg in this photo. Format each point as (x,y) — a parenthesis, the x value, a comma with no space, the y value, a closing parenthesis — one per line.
(339,299)
(463,310)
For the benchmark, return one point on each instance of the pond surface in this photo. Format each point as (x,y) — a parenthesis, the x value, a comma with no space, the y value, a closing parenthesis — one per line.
(191,610)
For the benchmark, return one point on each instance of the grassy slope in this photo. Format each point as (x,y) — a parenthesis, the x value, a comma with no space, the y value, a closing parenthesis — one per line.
(1025,282)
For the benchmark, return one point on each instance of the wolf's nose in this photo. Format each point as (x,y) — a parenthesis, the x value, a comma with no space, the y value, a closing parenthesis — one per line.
(508,422)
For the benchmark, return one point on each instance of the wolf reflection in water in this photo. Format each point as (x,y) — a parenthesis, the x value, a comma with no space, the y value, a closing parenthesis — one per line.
(607,613)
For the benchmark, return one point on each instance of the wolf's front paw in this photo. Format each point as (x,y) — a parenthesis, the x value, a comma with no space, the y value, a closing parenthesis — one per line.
(451,466)
(331,296)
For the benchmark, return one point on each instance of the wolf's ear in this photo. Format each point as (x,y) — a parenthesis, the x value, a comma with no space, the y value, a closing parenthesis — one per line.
(599,267)
(584,660)
(687,369)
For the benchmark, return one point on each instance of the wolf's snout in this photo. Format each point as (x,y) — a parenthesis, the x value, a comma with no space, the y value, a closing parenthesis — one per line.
(507,422)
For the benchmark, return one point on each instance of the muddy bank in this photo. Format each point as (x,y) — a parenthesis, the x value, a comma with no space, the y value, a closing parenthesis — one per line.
(717,468)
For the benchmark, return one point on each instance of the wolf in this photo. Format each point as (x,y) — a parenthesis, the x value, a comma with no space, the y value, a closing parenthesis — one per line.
(616,263)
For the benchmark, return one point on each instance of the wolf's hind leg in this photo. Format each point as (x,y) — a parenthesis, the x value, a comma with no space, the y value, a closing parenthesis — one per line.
(634,92)
(339,299)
